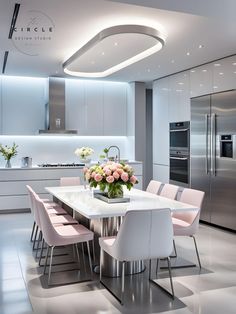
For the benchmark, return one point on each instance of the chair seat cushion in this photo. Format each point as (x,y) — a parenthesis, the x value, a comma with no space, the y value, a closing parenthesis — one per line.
(56,210)
(181,227)
(106,244)
(65,219)
(73,234)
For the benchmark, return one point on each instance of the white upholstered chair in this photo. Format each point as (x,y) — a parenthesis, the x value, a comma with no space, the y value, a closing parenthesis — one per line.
(153,186)
(186,223)
(169,191)
(143,235)
(61,235)
(69,181)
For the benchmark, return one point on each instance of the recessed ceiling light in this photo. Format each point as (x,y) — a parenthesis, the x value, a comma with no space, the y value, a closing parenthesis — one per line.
(103,53)
(217,64)
(172,61)
(215,87)
(200,85)
(192,71)
(234,63)
(115,44)
(188,53)
(234,72)
(144,41)
(221,73)
(148,70)
(200,46)
(181,83)
(204,70)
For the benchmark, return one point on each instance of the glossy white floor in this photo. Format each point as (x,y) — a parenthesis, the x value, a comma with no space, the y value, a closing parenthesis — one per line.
(213,290)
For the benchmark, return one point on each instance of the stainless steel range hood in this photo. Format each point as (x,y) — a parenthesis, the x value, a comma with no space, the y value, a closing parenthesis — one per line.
(55,109)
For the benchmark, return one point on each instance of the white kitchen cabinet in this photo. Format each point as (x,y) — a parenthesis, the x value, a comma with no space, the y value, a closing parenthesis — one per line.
(75,105)
(23,105)
(224,74)
(161,173)
(179,97)
(94,108)
(13,192)
(201,80)
(115,107)
(161,122)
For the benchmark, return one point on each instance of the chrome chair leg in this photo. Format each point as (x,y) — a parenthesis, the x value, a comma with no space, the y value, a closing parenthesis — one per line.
(46,260)
(100,266)
(50,265)
(123,284)
(35,237)
(82,244)
(93,248)
(32,233)
(170,274)
(90,261)
(150,269)
(39,241)
(157,267)
(175,251)
(77,252)
(198,257)
(41,253)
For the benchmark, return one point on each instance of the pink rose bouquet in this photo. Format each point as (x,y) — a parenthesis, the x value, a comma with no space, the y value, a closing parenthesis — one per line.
(112,177)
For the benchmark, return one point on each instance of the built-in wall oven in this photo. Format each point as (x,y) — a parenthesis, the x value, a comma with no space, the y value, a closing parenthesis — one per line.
(179,153)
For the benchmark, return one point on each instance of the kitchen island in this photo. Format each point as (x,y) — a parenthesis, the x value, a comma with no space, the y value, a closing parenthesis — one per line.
(13,181)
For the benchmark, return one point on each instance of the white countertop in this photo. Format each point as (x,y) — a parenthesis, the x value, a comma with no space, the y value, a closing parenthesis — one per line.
(82,201)
(45,168)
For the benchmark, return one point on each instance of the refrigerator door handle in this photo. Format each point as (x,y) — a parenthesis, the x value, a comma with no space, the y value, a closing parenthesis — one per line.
(213,144)
(207,146)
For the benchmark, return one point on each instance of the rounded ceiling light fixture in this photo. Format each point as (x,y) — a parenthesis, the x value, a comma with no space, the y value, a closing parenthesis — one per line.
(113,49)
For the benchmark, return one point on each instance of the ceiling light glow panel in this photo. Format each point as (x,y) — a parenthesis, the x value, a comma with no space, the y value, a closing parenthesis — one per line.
(114,49)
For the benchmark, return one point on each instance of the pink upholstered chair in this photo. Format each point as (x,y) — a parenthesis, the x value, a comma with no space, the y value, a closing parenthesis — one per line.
(186,223)
(61,235)
(169,191)
(143,235)
(153,186)
(69,181)
(55,219)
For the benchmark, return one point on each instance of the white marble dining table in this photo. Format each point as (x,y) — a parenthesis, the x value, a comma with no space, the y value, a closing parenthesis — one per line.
(104,219)
(82,200)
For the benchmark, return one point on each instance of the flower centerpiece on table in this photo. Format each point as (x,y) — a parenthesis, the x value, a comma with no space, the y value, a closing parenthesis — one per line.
(8,153)
(83,153)
(111,177)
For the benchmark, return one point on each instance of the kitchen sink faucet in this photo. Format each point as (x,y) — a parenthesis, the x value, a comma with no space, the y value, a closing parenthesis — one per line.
(118,150)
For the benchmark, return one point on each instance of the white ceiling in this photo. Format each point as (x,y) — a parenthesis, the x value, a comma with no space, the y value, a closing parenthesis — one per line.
(187,24)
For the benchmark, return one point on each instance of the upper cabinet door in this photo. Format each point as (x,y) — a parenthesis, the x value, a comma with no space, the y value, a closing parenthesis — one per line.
(161,122)
(75,106)
(23,105)
(179,97)
(115,107)
(224,74)
(201,82)
(93,108)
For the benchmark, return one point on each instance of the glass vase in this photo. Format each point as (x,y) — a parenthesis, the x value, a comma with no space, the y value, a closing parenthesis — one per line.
(8,164)
(115,191)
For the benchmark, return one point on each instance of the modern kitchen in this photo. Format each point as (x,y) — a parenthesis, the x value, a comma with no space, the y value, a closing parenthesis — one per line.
(117,156)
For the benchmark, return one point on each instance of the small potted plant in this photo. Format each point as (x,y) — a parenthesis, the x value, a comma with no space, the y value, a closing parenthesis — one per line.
(83,153)
(8,153)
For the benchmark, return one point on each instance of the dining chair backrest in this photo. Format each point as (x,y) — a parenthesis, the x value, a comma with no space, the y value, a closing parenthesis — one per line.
(170,191)
(49,233)
(32,196)
(192,197)
(69,181)
(144,234)
(153,186)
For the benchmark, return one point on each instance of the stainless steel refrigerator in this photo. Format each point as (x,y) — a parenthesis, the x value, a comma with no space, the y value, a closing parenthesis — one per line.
(213,156)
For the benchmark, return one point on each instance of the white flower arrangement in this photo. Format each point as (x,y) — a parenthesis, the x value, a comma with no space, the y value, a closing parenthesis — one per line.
(84,152)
